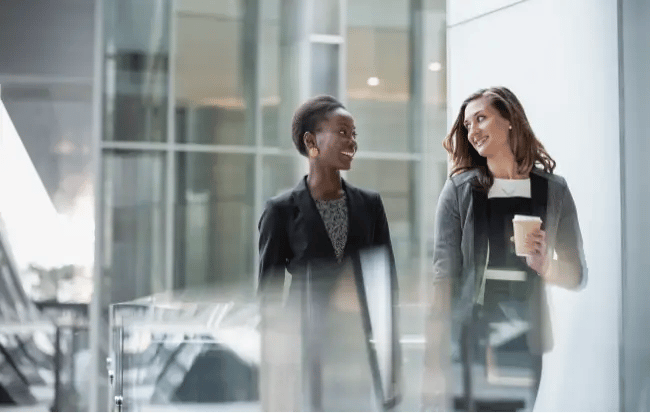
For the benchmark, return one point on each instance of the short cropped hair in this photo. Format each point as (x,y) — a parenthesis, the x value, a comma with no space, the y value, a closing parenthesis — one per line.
(309,115)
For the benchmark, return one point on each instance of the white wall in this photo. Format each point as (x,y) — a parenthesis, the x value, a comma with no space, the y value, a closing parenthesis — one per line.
(560,58)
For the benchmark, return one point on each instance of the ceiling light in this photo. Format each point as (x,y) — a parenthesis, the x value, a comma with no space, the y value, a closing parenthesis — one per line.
(373,81)
(435,66)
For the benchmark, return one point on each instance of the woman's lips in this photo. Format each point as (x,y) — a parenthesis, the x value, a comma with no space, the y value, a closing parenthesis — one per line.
(479,143)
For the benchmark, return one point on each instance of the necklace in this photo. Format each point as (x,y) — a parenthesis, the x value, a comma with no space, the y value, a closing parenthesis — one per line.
(509,193)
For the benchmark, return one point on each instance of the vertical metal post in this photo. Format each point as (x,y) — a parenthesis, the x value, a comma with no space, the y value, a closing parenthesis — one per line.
(97,296)
(56,406)
(170,170)
(251,62)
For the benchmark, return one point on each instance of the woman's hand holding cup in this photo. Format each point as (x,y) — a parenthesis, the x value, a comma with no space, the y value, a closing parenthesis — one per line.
(537,259)
(530,242)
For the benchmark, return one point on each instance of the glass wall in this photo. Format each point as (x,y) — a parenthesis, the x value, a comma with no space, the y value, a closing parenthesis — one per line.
(198,100)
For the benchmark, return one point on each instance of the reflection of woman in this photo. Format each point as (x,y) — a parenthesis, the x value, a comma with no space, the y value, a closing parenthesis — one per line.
(317,230)
(495,158)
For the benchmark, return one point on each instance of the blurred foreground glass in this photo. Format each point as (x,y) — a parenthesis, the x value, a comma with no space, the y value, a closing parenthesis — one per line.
(394,182)
(329,337)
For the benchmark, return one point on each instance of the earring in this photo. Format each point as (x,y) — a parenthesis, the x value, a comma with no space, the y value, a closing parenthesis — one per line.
(313,152)
(510,127)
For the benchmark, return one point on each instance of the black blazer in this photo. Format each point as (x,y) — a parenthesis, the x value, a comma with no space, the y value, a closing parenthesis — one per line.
(292,232)
(293,235)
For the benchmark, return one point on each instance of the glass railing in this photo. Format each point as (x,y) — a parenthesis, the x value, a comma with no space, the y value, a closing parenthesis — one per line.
(323,341)
(184,352)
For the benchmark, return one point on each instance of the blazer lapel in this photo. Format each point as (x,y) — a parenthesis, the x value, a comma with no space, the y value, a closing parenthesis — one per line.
(480,239)
(318,240)
(357,218)
(539,196)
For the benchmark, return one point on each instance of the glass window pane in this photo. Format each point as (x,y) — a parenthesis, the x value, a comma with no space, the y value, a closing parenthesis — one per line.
(325,69)
(137,53)
(280,173)
(399,190)
(134,223)
(378,75)
(214,220)
(208,81)
(326,17)
(270,75)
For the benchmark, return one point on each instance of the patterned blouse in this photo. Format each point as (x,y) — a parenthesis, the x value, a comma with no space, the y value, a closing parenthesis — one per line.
(335,216)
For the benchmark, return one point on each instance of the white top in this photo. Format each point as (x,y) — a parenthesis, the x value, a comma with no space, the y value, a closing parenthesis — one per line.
(508,188)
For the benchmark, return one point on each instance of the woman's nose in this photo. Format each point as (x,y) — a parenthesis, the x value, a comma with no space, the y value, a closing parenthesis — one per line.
(471,132)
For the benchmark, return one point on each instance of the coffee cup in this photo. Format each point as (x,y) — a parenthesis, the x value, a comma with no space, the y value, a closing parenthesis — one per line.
(524,225)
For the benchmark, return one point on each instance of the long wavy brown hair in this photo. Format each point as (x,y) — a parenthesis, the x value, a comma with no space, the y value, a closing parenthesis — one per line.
(528,150)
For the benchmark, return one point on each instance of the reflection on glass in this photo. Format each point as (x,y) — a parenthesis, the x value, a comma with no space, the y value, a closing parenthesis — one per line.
(326,17)
(214,220)
(324,69)
(137,52)
(134,230)
(208,79)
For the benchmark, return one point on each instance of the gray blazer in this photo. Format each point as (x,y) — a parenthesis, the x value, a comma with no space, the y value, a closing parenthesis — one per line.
(461,242)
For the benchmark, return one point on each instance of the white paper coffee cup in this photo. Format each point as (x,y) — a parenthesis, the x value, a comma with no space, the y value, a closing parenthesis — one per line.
(524,225)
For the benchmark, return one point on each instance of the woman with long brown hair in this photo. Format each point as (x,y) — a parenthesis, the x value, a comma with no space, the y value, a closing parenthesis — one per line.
(499,312)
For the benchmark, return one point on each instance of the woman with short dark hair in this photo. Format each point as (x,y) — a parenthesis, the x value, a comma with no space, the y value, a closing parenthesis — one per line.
(317,232)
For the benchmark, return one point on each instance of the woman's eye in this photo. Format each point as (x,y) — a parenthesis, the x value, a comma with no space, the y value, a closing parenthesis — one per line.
(480,118)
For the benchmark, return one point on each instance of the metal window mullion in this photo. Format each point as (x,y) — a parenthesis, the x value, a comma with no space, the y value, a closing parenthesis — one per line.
(96,300)
(170,185)
(416,125)
(259,139)
(343,47)
(342,63)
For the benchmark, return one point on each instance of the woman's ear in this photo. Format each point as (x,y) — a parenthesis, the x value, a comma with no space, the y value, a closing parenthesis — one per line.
(310,140)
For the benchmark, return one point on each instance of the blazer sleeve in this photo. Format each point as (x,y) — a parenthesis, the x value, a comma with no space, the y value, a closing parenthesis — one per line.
(447,253)
(273,245)
(382,233)
(568,242)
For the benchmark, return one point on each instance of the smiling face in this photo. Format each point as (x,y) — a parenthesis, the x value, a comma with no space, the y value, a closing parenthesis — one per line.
(335,138)
(487,130)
